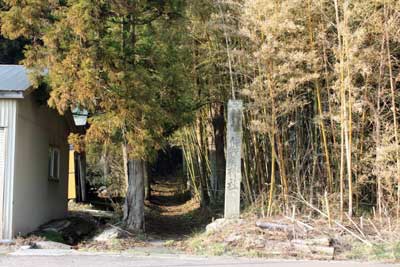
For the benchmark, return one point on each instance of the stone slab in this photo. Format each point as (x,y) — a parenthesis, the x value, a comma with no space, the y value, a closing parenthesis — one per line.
(233,159)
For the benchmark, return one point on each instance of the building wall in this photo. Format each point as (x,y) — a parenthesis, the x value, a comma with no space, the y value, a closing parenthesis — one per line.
(37,199)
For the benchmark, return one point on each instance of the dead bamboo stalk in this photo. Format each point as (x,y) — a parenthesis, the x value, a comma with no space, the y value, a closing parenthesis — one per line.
(356,226)
(365,241)
(394,112)
(319,106)
(342,109)
(328,210)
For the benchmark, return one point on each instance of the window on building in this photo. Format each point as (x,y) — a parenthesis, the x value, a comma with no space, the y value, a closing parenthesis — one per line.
(54,163)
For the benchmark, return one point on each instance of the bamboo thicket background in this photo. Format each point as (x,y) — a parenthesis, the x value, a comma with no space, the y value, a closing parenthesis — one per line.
(320,80)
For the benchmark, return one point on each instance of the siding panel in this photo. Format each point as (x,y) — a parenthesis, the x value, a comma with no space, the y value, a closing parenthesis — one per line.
(8,121)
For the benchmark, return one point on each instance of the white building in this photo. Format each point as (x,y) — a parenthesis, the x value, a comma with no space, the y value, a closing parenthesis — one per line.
(33,156)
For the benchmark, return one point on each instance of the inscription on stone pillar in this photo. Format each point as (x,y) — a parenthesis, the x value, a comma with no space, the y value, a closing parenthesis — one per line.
(233,159)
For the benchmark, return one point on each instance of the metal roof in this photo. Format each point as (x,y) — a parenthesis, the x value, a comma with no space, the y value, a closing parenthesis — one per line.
(14,78)
(14,81)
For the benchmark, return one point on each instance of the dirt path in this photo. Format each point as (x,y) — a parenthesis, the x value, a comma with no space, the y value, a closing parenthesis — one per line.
(171,214)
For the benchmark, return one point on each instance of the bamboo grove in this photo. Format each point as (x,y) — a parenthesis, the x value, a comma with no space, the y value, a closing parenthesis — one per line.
(320,82)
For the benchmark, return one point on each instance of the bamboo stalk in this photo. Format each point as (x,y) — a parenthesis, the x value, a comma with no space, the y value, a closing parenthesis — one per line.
(328,210)
(344,138)
(282,169)
(272,184)
(348,112)
(319,106)
(378,127)
(393,108)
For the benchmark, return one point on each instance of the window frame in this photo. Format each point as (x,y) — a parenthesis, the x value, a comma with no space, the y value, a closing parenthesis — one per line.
(51,163)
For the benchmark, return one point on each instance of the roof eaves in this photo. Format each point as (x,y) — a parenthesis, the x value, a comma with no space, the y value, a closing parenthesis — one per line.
(11,94)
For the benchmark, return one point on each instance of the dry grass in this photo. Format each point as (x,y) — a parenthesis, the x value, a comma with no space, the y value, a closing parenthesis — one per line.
(73,206)
(244,238)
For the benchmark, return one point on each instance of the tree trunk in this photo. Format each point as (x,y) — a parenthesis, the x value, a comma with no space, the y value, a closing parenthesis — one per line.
(82,176)
(219,135)
(125,162)
(104,163)
(134,201)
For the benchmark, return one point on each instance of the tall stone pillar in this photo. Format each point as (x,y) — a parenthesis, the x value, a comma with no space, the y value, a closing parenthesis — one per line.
(233,159)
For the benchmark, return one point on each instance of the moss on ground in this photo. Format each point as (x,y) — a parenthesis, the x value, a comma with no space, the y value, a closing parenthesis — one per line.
(52,236)
(383,251)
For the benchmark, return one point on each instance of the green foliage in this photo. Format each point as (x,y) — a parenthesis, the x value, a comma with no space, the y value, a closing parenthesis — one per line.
(11,51)
(123,61)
